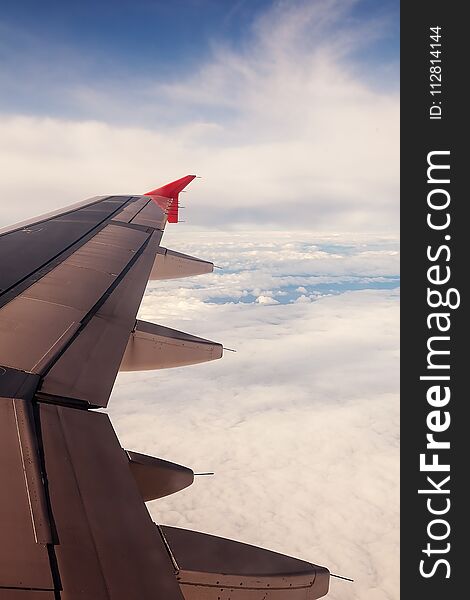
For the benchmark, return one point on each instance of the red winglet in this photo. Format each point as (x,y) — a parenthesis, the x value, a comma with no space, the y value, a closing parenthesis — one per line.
(172,190)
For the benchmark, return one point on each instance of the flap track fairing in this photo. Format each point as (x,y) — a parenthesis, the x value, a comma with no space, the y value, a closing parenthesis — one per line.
(153,346)
(174,265)
(156,477)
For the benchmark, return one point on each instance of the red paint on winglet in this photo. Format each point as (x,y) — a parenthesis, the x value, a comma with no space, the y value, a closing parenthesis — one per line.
(171,191)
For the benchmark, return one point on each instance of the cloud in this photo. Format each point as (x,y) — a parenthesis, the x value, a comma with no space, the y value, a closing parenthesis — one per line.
(303,299)
(300,424)
(266,300)
(285,128)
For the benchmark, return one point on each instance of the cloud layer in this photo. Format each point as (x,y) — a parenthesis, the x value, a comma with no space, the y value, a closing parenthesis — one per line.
(301,424)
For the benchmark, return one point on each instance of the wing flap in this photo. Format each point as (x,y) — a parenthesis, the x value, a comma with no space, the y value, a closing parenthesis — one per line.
(23,562)
(108,545)
(31,330)
(211,567)
(25,426)
(72,286)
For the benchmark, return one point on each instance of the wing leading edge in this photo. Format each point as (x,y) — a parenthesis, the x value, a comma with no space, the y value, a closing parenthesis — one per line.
(73,520)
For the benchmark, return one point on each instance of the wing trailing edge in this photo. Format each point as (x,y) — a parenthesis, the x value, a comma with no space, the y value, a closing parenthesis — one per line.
(212,567)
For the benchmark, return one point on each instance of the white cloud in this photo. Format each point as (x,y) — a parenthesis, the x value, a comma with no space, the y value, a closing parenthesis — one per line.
(266,300)
(300,425)
(285,130)
(303,299)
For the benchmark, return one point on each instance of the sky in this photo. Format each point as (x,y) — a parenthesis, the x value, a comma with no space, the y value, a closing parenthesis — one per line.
(289,112)
(274,104)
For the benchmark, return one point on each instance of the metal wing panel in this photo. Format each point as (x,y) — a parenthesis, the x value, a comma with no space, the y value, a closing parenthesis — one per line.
(72,286)
(12,594)
(50,215)
(36,325)
(130,211)
(99,514)
(151,216)
(31,329)
(32,470)
(80,283)
(23,251)
(17,384)
(23,562)
(76,545)
(87,369)
(100,256)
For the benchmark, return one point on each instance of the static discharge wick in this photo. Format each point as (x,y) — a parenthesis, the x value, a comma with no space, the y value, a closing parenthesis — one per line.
(341,577)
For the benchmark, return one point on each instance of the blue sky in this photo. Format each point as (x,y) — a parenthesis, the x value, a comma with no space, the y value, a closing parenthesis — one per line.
(142,35)
(55,45)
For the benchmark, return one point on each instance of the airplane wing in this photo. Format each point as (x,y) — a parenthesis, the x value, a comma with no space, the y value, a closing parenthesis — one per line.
(73,520)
